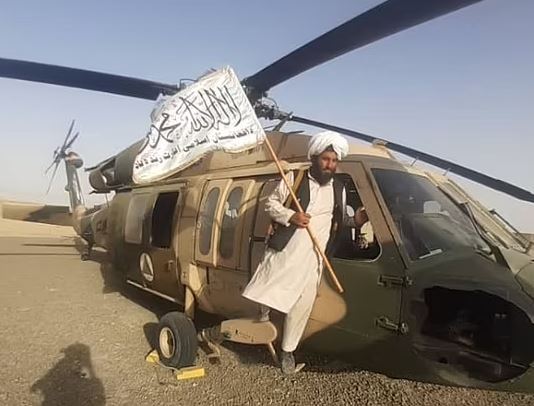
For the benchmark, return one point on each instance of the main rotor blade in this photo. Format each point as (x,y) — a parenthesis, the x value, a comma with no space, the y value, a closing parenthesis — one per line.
(71,141)
(53,176)
(379,22)
(68,135)
(52,164)
(83,79)
(467,173)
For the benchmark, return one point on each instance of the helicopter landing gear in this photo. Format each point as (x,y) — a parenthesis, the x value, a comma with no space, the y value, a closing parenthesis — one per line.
(212,337)
(176,340)
(87,253)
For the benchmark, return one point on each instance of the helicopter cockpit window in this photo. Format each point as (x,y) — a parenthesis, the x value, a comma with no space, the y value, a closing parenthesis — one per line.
(355,243)
(133,229)
(230,222)
(428,222)
(207,216)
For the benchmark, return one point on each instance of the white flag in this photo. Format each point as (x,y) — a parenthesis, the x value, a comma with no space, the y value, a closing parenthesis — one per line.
(212,114)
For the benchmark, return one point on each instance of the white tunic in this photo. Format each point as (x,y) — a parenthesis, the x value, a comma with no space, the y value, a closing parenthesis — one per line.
(282,275)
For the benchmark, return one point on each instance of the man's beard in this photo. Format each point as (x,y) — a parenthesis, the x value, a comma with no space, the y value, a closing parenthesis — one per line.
(322,177)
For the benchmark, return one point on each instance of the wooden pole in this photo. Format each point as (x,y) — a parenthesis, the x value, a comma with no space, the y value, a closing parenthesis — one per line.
(314,240)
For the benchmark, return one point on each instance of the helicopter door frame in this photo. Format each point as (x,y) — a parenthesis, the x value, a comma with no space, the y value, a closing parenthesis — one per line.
(368,313)
(369,165)
(209,257)
(163,259)
(259,223)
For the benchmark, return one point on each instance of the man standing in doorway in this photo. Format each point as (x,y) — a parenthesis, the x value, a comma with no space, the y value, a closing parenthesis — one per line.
(290,272)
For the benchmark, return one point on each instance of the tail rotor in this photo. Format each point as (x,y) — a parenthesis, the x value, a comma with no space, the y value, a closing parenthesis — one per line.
(60,153)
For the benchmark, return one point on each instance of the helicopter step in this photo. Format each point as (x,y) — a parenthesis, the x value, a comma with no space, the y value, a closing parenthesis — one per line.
(244,331)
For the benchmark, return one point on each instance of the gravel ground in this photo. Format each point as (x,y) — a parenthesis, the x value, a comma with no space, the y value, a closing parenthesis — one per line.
(68,337)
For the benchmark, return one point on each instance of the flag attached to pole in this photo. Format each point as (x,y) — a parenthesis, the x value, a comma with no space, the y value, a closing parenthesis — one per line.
(212,114)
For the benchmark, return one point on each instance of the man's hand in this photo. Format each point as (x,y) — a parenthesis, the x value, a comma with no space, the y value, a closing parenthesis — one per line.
(360,217)
(300,219)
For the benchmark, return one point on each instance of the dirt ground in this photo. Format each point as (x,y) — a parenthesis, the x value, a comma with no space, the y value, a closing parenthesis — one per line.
(70,335)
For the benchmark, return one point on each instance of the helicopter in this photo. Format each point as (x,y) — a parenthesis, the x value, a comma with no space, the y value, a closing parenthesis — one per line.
(444,293)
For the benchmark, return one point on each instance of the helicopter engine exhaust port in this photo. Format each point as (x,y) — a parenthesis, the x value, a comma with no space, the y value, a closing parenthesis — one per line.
(477,335)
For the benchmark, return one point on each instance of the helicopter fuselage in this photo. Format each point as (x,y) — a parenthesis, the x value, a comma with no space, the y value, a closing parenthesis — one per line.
(431,301)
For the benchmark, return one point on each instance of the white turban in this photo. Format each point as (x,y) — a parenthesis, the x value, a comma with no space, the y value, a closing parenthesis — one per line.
(321,141)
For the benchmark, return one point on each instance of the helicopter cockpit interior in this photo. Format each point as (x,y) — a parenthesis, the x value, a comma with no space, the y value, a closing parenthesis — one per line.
(428,222)
(356,244)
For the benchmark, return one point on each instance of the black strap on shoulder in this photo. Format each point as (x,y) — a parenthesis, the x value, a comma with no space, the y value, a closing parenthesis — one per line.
(298,175)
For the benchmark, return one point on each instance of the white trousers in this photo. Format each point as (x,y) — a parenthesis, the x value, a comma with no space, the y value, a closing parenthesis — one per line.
(297,317)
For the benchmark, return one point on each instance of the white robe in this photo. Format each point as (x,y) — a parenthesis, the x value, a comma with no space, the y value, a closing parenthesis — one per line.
(282,275)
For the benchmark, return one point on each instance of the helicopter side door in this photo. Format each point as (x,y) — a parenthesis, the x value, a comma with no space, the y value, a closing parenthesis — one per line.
(128,220)
(219,247)
(364,321)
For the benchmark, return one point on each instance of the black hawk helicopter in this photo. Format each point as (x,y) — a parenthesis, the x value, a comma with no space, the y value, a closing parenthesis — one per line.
(446,295)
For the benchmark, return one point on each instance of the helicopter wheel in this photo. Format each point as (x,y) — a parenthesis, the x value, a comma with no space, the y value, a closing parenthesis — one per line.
(176,340)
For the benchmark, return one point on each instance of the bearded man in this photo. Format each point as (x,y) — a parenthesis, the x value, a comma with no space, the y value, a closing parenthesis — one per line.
(289,274)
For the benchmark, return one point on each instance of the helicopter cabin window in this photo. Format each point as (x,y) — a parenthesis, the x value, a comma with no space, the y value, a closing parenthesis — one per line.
(427,220)
(133,229)
(355,243)
(207,216)
(162,219)
(230,221)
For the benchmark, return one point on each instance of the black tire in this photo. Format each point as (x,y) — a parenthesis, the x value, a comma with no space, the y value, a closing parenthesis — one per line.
(176,340)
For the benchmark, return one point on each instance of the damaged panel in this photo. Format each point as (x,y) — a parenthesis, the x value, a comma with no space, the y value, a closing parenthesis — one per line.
(470,319)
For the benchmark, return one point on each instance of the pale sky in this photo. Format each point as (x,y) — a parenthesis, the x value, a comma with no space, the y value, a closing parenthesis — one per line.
(460,87)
